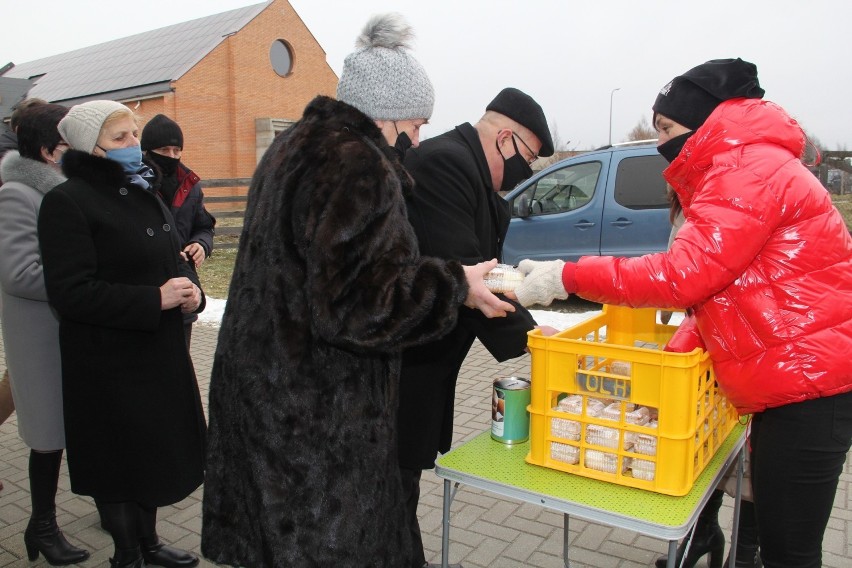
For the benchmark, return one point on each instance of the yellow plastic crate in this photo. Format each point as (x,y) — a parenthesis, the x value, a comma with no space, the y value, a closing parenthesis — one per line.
(607,402)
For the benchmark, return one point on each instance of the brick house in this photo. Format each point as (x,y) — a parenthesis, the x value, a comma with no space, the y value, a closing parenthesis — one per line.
(231,80)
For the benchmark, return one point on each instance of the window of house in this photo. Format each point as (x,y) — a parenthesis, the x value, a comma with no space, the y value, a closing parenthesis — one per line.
(281,57)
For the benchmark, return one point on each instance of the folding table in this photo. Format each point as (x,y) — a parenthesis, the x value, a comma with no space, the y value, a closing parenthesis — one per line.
(498,468)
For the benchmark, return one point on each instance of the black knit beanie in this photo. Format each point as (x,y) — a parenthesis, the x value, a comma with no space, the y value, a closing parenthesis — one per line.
(689,99)
(161,131)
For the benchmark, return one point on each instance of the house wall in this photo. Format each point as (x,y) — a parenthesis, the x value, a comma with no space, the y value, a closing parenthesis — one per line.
(218,102)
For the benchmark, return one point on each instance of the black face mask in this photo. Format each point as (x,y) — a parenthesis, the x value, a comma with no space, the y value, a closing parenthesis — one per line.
(402,144)
(669,150)
(166,164)
(515,168)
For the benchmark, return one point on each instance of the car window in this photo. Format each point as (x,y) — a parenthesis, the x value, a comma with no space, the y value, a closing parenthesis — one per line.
(562,190)
(639,183)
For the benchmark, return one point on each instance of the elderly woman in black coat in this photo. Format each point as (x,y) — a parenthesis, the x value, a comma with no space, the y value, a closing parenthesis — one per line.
(134,423)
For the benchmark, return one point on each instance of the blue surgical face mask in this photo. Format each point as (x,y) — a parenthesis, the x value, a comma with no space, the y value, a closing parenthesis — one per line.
(130,158)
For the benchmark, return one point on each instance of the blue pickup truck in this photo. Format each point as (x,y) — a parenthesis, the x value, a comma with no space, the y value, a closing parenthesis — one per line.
(610,201)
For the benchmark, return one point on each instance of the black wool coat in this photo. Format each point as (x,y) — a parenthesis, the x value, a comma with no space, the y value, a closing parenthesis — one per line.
(456,215)
(134,425)
(328,288)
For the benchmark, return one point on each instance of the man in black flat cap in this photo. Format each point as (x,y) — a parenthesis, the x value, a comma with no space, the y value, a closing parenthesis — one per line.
(458,215)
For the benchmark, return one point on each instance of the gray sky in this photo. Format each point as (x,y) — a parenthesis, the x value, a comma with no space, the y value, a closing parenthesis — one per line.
(567,54)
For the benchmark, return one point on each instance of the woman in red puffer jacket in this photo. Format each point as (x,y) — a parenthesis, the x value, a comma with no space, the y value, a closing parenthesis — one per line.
(764,262)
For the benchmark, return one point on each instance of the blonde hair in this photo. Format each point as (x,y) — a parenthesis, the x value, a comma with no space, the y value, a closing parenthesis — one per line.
(118,115)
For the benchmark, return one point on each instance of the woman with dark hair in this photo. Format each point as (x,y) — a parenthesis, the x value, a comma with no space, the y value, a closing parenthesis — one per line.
(114,273)
(30,329)
(764,264)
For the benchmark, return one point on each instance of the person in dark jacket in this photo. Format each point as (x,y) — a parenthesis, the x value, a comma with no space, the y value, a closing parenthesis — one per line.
(764,262)
(134,424)
(180,189)
(457,214)
(328,288)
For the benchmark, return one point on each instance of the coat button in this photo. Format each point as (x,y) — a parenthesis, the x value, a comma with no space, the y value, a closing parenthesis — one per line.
(167,228)
(123,191)
(150,232)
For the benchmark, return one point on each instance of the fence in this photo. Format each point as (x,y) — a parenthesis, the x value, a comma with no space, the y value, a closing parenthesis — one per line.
(228,209)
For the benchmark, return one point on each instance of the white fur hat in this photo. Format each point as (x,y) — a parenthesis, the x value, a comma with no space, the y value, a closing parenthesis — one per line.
(381,78)
(82,125)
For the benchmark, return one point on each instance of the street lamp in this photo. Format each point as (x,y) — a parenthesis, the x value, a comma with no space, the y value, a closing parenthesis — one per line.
(610,113)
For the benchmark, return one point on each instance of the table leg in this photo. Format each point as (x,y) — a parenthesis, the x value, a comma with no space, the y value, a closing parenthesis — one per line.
(445,532)
(737,501)
(672,558)
(565,538)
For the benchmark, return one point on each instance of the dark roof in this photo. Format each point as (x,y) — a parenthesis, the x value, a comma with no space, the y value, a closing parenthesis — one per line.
(135,66)
(12,91)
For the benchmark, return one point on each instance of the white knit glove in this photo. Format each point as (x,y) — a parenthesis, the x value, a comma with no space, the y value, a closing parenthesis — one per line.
(542,282)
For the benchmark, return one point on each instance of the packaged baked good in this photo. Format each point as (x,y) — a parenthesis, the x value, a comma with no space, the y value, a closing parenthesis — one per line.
(562,428)
(645,444)
(638,417)
(603,461)
(595,406)
(643,469)
(564,453)
(602,436)
(503,278)
(572,404)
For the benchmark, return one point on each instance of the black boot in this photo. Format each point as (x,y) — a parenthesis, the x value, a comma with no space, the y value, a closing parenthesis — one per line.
(127,558)
(42,534)
(748,550)
(708,537)
(158,554)
(122,518)
(155,552)
(104,521)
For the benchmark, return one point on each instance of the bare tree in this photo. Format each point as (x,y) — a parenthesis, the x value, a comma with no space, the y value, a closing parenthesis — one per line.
(812,145)
(642,131)
(558,144)
(559,149)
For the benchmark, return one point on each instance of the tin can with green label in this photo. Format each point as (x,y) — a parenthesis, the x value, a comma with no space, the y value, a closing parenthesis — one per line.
(510,419)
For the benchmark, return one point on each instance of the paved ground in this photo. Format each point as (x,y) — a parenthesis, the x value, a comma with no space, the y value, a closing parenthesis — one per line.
(487,531)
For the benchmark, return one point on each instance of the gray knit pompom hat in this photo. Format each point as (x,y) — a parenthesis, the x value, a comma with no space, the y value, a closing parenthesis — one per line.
(82,125)
(381,78)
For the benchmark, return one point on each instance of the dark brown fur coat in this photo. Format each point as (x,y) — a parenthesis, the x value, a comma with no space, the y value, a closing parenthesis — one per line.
(328,288)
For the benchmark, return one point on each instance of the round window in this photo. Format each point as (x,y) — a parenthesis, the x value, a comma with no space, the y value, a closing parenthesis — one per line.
(281,57)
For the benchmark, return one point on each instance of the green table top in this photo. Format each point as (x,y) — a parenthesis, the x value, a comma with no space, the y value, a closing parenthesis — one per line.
(501,469)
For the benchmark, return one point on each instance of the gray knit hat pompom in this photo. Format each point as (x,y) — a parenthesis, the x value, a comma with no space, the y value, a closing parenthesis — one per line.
(381,78)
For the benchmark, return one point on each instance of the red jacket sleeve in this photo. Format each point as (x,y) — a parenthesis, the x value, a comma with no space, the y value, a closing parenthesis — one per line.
(727,225)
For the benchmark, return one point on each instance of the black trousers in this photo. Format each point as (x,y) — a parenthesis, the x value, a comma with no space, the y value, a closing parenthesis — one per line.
(798,452)
(411,495)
